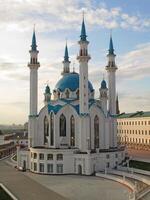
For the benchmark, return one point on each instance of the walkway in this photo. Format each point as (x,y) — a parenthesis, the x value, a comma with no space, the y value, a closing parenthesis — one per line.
(23,187)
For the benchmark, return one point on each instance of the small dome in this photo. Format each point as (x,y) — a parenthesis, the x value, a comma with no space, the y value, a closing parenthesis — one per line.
(70,81)
(103,84)
(47,90)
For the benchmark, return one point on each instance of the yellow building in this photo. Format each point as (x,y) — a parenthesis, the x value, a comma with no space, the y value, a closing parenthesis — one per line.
(133,129)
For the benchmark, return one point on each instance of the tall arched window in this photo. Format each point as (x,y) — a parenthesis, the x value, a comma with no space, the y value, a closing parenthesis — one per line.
(62,125)
(46,129)
(96,132)
(77,93)
(52,129)
(72,131)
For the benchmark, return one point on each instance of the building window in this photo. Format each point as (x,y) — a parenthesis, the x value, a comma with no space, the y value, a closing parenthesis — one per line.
(41,156)
(35,166)
(46,130)
(62,126)
(107,156)
(107,165)
(35,155)
(59,156)
(145,132)
(41,167)
(49,156)
(96,132)
(116,155)
(72,131)
(52,129)
(50,168)
(59,168)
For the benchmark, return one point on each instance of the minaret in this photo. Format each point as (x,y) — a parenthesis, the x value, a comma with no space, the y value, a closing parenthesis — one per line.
(33,65)
(83,58)
(66,62)
(117,105)
(103,96)
(47,95)
(111,69)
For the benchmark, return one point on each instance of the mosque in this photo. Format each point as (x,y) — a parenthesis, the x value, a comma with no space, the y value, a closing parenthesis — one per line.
(73,133)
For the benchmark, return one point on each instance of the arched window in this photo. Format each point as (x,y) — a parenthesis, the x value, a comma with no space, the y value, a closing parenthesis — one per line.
(67,94)
(46,129)
(96,132)
(77,93)
(62,125)
(72,131)
(52,129)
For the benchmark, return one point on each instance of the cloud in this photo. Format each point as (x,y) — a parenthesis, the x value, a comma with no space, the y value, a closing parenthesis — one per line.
(135,64)
(65,14)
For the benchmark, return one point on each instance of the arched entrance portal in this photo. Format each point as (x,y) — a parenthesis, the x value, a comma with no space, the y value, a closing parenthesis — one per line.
(79,169)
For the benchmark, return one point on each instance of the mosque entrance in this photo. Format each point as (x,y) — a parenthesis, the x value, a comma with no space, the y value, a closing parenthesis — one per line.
(79,169)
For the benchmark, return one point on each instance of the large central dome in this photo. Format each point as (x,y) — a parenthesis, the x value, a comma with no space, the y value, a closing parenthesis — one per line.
(70,81)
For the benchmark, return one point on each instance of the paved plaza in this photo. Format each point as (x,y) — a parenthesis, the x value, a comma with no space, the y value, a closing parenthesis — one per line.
(76,187)
(26,185)
(23,187)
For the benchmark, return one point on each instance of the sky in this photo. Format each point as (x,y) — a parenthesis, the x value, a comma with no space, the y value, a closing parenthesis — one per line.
(56,21)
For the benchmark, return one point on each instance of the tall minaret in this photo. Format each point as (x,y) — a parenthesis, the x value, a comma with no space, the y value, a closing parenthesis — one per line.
(66,62)
(111,69)
(33,65)
(83,58)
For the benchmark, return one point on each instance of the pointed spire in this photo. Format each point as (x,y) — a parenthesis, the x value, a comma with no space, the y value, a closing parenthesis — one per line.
(34,46)
(83,30)
(111,48)
(66,56)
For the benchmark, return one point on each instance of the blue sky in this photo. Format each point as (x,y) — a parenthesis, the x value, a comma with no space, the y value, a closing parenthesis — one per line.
(57,20)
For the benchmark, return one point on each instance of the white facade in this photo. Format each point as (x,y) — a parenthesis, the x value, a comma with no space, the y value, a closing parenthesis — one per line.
(73,133)
(133,130)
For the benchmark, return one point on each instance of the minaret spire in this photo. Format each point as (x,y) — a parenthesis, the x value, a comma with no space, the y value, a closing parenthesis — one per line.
(34,46)
(66,62)
(111,48)
(83,59)
(33,66)
(111,71)
(117,105)
(83,35)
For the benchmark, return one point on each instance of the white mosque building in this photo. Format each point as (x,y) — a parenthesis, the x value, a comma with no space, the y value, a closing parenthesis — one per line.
(73,133)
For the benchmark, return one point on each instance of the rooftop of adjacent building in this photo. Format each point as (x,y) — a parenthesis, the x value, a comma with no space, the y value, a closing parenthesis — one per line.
(137,114)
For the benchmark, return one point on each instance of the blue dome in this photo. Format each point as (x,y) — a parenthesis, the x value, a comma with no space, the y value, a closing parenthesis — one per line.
(70,81)
(103,84)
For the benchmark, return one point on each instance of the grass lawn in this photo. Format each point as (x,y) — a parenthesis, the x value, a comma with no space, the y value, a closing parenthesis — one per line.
(4,195)
(140,165)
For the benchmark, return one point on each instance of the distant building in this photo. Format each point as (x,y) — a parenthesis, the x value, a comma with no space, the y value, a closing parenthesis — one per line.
(133,130)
